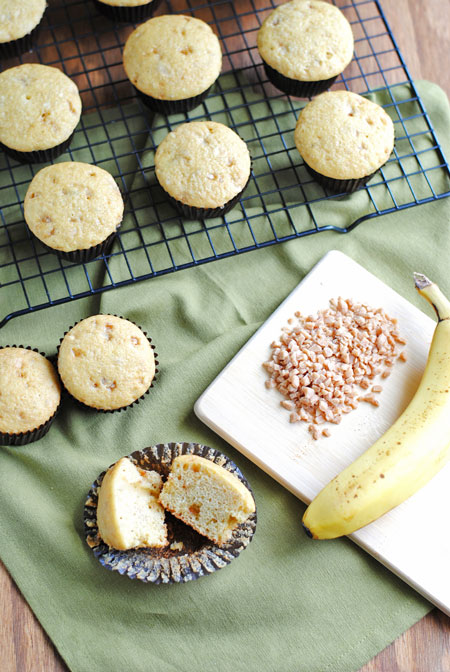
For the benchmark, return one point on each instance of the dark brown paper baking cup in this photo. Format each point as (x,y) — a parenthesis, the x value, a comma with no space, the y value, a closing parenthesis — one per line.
(172,106)
(40,155)
(339,186)
(82,256)
(198,556)
(293,87)
(191,212)
(128,14)
(23,438)
(20,46)
(122,408)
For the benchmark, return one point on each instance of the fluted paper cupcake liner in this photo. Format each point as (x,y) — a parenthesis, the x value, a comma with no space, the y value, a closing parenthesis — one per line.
(23,438)
(188,555)
(39,155)
(82,256)
(21,45)
(339,186)
(128,14)
(293,87)
(192,212)
(172,106)
(122,408)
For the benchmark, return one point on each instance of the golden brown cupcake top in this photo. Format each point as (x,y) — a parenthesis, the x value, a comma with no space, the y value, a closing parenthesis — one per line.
(73,206)
(106,362)
(39,107)
(29,390)
(172,57)
(203,164)
(19,17)
(343,135)
(306,40)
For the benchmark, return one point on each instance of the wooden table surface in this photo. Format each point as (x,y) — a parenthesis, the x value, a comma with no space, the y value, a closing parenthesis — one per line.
(421,31)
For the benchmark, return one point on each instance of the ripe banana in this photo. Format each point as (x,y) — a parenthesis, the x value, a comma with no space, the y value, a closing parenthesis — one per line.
(406,457)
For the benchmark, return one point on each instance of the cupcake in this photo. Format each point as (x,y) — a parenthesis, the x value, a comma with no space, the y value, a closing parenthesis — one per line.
(74,209)
(29,395)
(305,45)
(129,514)
(19,23)
(343,139)
(207,497)
(204,168)
(172,61)
(127,10)
(106,362)
(39,110)
(141,544)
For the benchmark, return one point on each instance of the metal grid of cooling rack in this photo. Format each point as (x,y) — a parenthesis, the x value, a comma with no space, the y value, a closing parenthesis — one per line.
(119,134)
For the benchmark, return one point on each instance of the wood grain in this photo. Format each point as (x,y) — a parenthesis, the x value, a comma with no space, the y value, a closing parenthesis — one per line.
(421,30)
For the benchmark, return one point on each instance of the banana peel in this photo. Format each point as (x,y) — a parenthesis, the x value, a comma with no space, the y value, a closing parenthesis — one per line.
(403,459)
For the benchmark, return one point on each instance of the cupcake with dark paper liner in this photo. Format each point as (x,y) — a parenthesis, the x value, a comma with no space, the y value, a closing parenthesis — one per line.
(74,209)
(172,62)
(186,554)
(19,25)
(129,11)
(344,139)
(204,168)
(30,395)
(304,46)
(107,363)
(40,108)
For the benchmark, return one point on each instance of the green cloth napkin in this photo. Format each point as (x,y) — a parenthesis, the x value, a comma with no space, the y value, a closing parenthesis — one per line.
(287,603)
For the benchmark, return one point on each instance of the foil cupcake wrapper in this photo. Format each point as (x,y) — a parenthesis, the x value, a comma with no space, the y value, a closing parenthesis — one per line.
(39,155)
(293,87)
(83,256)
(122,408)
(20,46)
(339,186)
(172,106)
(127,14)
(23,438)
(188,555)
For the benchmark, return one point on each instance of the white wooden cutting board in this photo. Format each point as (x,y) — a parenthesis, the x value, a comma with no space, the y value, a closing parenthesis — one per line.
(413,540)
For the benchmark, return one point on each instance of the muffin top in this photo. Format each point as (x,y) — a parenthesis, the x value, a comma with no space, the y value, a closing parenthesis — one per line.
(29,390)
(203,164)
(17,19)
(106,362)
(39,107)
(306,40)
(343,135)
(172,57)
(126,3)
(73,206)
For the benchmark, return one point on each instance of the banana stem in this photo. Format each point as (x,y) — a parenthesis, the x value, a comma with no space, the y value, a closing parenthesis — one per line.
(431,292)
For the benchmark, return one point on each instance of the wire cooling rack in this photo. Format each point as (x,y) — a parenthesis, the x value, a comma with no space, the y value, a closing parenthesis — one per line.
(119,134)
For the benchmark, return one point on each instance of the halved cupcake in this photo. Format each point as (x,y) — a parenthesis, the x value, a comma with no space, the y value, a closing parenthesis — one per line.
(111,515)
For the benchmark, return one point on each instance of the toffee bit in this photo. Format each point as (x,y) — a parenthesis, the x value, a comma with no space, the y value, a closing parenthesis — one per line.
(320,362)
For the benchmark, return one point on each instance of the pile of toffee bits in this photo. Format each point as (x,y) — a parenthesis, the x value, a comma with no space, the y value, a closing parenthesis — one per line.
(321,363)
